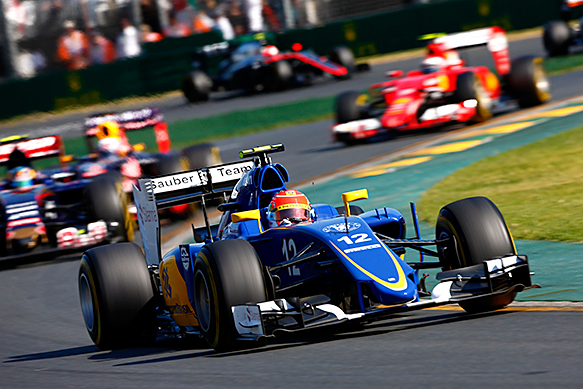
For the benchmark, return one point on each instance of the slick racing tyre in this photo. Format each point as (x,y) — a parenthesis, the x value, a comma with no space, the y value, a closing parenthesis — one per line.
(556,38)
(342,55)
(196,86)
(108,202)
(476,232)
(202,155)
(528,81)
(279,76)
(469,86)
(170,164)
(226,273)
(117,296)
(350,106)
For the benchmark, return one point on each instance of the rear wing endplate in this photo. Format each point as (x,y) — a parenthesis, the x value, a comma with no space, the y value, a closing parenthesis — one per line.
(37,148)
(180,188)
(493,37)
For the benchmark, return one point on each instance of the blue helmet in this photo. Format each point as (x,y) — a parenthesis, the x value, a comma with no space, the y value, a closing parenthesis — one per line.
(21,177)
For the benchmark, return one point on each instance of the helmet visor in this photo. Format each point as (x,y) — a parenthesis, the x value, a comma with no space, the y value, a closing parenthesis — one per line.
(292,214)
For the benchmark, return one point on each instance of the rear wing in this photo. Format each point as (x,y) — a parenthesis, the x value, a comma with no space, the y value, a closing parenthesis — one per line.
(493,37)
(37,148)
(161,192)
(130,121)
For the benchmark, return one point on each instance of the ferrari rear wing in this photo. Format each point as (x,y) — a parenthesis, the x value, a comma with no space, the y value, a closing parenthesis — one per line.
(130,121)
(200,185)
(493,37)
(37,148)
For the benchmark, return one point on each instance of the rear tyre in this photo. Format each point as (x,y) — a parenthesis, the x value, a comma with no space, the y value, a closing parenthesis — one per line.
(468,86)
(202,155)
(350,106)
(342,55)
(528,82)
(280,75)
(556,38)
(477,232)
(117,296)
(171,164)
(107,201)
(226,273)
(196,86)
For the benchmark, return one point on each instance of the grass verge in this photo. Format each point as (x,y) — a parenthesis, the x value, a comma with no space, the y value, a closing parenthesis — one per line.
(537,188)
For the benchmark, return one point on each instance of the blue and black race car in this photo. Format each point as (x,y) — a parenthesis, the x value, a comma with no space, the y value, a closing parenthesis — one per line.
(51,211)
(265,271)
(255,67)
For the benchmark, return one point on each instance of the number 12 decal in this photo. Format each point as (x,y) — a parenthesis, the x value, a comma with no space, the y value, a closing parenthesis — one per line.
(289,251)
(356,238)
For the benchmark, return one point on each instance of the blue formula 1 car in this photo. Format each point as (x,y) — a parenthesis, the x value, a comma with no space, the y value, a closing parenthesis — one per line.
(49,212)
(246,282)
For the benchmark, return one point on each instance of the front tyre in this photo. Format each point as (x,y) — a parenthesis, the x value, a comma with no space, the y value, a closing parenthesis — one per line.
(475,231)
(226,273)
(196,86)
(350,106)
(342,55)
(469,86)
(556,38)
(117,296)
(528,82)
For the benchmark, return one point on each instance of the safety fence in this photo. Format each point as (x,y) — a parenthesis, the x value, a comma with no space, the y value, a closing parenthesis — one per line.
(162,64)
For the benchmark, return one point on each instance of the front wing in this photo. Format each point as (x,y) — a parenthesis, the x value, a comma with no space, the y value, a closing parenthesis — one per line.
(492,278)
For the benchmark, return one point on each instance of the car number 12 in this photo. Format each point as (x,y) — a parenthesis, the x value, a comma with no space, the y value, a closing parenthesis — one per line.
(289,251)
(356,238)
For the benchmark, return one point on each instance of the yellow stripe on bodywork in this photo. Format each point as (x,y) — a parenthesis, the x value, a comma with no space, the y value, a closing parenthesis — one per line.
(401,282)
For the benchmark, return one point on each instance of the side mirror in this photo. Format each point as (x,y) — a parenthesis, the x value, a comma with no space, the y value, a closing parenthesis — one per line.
(245,216)
(394,73)
(354,195)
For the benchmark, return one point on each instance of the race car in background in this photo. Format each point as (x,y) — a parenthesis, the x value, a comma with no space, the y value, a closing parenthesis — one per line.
(443,91)
(49,212)
(133,161)
(559,35)
(249,280)
(254,67)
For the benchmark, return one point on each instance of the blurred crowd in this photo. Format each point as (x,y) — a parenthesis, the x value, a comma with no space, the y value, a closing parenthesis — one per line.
(74,34)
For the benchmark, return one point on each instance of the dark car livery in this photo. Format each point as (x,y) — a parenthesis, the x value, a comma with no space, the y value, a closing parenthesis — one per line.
(254,67)
(57,211)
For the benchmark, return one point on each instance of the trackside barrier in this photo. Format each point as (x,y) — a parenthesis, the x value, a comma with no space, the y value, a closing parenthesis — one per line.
(164,63)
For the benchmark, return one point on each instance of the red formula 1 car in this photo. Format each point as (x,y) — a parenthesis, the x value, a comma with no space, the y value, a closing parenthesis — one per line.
(443,91)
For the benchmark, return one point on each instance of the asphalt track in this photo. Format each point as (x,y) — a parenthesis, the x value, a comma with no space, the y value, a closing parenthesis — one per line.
(43,342)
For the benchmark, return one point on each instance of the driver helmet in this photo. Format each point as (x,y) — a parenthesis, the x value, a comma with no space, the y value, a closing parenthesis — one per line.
(111,139)
(21,177)
(288,207)
(432,64)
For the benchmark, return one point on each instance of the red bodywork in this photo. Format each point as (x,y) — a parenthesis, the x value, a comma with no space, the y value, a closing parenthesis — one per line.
(409,99)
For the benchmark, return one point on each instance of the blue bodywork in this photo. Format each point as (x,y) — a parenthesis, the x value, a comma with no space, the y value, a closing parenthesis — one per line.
(350,263)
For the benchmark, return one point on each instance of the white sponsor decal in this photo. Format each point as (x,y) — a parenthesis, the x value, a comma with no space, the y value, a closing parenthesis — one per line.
(439,112)
(341,227)
(357,125)
(362,248)
(184,256)
(177,181)
(230,172)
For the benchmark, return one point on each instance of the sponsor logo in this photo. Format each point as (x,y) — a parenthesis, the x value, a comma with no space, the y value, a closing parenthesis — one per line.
(341,227)
(166,281)
(178,181)
(179,309)
(231,172)
(184,256)
(362,248)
